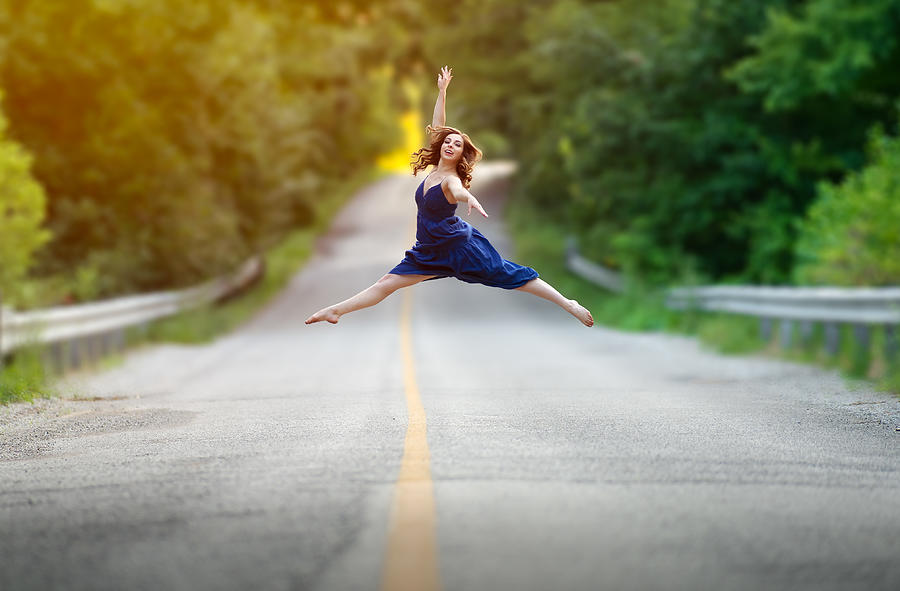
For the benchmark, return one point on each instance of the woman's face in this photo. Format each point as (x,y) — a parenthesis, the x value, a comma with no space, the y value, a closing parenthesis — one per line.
(452,148)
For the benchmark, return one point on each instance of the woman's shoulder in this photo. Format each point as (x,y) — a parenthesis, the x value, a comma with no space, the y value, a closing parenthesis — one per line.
(448,183)
(451,178)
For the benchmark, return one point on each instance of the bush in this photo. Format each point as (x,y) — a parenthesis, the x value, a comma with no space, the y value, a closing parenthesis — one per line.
(850,234)
(22,203)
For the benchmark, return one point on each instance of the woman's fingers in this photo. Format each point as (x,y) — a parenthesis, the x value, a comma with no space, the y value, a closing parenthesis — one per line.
(444,77)
(477,207)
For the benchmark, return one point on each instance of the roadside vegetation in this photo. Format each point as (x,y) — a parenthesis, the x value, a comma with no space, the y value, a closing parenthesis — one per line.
(27,377)
(640,308)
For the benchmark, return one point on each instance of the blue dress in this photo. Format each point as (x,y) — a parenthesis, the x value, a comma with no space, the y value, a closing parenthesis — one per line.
(447,246)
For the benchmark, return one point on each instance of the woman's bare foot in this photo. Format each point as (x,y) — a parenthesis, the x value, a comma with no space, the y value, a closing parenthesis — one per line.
(329,314)
(581,313)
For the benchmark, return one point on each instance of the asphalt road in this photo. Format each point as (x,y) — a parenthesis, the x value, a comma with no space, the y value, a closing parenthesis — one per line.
(561,457)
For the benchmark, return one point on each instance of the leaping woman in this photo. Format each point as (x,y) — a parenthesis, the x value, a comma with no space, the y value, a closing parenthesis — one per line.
(447,246)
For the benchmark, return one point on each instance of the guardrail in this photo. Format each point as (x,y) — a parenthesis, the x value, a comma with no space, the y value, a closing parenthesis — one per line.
(80,332)
(586,269)
(792,307)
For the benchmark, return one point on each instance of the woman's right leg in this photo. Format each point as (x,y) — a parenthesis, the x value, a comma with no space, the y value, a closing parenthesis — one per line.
(542,289)
(388,284)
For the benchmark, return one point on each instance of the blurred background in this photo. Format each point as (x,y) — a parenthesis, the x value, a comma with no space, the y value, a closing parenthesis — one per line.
(151,144)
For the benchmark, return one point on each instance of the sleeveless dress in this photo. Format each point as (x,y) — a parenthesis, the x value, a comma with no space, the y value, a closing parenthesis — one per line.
(447,246)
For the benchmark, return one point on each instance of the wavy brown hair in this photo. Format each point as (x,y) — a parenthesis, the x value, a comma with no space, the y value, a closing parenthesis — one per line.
(431,154)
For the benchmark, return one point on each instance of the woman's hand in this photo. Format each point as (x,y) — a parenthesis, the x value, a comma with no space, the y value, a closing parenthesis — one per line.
(439,119)
(443,79)
(474,203)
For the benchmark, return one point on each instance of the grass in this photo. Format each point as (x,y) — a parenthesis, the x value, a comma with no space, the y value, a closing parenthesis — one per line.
(26,376)
(542,245)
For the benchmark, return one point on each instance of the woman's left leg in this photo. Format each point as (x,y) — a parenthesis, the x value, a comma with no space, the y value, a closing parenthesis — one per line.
(542,289)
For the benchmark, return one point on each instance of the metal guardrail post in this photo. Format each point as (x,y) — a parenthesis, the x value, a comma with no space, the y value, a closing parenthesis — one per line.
(806,331)
(765,329)
(891,344)
(862,333)
(832,338)
(787,333)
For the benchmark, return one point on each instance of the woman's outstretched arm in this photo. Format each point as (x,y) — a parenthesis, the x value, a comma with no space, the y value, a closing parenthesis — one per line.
(440,115)
(462,195)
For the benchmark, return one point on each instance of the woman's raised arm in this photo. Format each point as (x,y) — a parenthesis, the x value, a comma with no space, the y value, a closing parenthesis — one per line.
(440,115)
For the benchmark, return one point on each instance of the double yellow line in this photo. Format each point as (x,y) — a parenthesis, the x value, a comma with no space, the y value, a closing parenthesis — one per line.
(411,559)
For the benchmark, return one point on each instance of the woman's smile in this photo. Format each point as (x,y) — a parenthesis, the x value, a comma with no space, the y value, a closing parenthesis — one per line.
(452,146)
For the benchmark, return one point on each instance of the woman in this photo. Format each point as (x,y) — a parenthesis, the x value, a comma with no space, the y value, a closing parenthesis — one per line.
(446,246)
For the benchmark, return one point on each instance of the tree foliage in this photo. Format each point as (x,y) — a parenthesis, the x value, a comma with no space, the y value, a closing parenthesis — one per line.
(174,139)
(679,138)
(22,203)
(850,234)
(824,49)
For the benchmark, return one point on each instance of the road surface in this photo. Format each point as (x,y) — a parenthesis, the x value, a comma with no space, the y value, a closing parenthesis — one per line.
(455,436)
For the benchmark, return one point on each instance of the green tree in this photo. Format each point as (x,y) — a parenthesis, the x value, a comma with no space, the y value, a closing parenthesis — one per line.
(175,139)
(826,51)
(22,205)
(668,160)
(626,128)
(850,234)
(683,136)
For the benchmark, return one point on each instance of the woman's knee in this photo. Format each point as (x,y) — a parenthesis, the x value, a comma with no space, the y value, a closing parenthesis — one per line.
(388,283)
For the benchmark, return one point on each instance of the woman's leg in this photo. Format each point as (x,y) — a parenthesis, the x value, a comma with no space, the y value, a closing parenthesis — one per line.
(542,289)
(388,284)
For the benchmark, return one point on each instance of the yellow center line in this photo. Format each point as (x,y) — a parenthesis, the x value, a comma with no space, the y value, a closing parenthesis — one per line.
(411,559)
